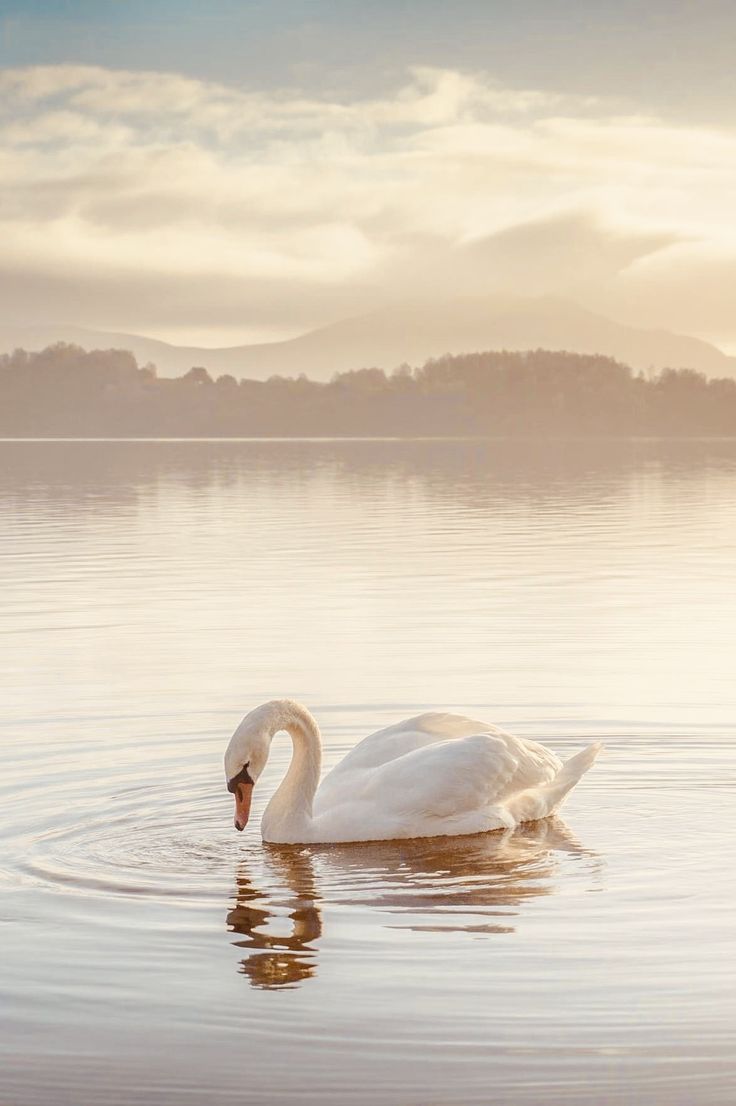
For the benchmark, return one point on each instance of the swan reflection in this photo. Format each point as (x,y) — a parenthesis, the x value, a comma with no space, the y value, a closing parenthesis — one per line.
(278,960)
(475,885)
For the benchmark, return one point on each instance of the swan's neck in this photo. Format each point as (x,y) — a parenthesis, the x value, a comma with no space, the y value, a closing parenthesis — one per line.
(289,813)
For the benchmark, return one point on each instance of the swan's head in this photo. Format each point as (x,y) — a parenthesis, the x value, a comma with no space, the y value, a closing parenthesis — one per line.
(245,759)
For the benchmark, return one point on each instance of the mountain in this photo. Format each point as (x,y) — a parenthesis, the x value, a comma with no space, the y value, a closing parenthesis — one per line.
(413,334)
(170,360)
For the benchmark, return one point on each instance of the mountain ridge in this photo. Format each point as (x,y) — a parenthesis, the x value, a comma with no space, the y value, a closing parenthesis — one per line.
(407,333)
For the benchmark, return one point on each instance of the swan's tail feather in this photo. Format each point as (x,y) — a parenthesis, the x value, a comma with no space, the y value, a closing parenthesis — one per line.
(578,765)
(540,802)
(572,770)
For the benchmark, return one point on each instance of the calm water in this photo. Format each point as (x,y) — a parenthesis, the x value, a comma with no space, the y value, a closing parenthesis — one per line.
(154,592)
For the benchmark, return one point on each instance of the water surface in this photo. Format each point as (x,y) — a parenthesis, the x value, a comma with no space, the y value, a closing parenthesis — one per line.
(153,592)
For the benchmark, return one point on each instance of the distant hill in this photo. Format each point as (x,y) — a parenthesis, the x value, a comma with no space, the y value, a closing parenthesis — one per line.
(169,360)
(411,334)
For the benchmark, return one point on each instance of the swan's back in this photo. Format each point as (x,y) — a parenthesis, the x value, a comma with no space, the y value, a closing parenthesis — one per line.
(526,763)
(403,737)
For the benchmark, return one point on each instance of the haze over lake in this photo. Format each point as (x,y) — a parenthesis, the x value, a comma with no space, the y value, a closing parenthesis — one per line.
(154,592)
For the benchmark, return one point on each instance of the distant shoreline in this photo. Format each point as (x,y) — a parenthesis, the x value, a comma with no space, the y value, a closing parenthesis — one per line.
(65,393)
(326,440)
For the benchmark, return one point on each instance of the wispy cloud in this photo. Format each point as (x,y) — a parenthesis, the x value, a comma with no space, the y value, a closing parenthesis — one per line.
(120,188)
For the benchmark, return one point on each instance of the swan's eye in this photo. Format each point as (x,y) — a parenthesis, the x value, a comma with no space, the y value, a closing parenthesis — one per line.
(243,776)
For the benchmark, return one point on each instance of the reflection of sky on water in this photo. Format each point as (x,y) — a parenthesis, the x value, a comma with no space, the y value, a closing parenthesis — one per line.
(153,592)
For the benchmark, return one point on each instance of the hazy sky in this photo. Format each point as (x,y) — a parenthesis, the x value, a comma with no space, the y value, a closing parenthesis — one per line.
(238,170)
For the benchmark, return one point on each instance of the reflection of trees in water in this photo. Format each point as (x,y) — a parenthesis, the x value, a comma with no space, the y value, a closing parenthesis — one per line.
(464,881)
(96,475)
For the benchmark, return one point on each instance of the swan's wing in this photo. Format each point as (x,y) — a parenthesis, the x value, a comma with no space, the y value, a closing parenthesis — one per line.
(452,786)
(388,745)
(444,779)
(535,764)
(404,737)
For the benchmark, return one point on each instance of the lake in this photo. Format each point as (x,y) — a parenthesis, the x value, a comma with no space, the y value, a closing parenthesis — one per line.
(153,592)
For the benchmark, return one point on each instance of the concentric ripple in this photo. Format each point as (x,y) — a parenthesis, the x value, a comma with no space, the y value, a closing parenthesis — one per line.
(102,830)
(150,854)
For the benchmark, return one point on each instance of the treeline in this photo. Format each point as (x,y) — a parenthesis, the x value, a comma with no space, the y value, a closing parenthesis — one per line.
(64,391)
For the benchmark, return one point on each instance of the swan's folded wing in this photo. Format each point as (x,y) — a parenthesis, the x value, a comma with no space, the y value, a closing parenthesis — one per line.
(403,737)
(444,779)
(381,766)
(386,746)
(536,764)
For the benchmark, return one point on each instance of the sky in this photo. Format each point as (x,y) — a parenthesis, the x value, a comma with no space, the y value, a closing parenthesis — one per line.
(242,171)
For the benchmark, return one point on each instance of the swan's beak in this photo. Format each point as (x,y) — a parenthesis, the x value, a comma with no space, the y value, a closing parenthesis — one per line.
(243,796)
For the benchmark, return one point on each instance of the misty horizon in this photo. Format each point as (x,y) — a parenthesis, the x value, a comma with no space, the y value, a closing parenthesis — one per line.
(409,332)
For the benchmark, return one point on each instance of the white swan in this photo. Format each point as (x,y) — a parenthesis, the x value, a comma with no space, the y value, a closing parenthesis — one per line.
(430,776)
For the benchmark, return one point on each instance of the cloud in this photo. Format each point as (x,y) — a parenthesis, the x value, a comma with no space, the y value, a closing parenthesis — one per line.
(571,251)
(274,209)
